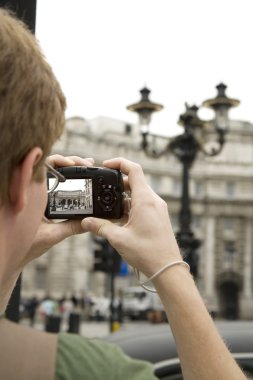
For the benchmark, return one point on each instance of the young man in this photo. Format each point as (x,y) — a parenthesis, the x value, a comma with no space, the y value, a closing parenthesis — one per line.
(31,119)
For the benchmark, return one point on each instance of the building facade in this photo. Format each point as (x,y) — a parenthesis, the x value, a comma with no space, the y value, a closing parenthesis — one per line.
(221,191)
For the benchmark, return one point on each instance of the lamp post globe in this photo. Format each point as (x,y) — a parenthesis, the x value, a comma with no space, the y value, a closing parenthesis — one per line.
(221,105)
(145,108)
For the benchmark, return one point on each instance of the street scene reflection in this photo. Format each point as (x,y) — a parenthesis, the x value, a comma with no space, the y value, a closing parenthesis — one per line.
(73,196)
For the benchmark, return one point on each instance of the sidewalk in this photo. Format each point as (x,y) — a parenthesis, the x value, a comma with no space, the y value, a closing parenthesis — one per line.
(90,329)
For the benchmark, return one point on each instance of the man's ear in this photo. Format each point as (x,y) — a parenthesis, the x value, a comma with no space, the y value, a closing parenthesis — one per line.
(21,179)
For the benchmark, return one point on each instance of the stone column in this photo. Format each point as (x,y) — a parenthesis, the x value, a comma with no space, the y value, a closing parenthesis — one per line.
(209,257)
(247,267)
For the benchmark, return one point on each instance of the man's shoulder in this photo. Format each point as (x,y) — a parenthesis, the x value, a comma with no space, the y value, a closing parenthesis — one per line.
(79,358)
(83,358)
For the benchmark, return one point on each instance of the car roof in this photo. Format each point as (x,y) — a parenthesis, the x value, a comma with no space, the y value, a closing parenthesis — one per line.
(156,343)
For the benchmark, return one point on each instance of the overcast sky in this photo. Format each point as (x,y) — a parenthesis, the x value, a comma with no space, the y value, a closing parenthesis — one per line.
(104,51)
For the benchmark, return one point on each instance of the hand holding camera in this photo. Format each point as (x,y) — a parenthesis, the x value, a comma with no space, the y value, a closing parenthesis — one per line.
(49,232)
(145,239)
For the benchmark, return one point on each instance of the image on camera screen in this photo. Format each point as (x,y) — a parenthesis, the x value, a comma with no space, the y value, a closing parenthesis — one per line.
(71,197)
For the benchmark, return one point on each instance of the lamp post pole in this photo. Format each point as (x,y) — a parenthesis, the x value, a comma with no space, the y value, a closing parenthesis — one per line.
(24,9)
(186,147)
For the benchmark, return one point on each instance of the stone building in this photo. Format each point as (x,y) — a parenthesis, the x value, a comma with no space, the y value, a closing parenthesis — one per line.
(78,201)
(221,190)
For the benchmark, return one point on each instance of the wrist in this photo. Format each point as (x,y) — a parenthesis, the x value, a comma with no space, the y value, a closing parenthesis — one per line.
(174,281)
(158,258)
(164,268)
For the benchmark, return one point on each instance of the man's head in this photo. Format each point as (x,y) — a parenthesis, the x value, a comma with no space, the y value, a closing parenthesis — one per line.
(31,101)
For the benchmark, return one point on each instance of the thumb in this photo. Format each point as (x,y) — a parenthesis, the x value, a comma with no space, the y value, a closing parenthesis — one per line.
(100,227)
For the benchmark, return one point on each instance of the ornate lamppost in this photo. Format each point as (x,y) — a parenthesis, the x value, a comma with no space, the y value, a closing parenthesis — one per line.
(198,135)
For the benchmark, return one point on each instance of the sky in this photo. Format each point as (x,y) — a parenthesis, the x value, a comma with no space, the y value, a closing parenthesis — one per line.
(104,51)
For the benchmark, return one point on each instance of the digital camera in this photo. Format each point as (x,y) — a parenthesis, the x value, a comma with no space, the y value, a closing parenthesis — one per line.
(86,191)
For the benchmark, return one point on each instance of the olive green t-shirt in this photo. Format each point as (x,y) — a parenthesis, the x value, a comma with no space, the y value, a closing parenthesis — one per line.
(79,358)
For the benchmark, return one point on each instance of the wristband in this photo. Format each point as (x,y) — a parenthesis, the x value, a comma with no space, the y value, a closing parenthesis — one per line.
(169,265)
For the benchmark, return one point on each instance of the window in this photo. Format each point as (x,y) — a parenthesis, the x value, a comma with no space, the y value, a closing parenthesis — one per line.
(230,254)
(155,183)
(199,189)
(177,187)
(40,279)
(196,221)
(228,224)
(174,221)
(230,189)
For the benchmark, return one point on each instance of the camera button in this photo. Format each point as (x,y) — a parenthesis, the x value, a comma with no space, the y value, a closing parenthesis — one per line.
(78,169)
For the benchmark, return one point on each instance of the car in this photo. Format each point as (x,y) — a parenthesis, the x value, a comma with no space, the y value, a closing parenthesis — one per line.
(138,304)
(155,343)
(100,308)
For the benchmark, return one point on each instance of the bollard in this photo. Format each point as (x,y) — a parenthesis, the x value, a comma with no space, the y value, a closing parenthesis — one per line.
(53,323)
(74,323)
(115,326)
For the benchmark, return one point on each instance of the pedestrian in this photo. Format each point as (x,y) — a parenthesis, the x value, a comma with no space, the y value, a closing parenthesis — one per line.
(32,109)
(31,309)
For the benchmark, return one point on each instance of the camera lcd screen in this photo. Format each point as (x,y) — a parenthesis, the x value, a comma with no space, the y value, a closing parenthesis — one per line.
(71,197)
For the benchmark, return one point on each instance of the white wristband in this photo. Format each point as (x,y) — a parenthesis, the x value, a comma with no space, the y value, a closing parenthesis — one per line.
(169,265)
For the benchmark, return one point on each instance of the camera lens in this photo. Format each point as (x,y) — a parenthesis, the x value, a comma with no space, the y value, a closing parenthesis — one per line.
(107,197)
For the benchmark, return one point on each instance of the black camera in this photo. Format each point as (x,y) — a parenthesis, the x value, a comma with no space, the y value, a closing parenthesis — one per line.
(86,191)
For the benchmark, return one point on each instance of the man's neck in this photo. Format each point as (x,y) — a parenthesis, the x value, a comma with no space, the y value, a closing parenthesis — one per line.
(26,353)
(8,274)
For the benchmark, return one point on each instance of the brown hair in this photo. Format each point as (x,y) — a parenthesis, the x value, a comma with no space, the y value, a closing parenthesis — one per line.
(31,101)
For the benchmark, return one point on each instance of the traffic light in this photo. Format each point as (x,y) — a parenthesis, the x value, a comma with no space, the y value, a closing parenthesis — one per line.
(101,256)
(106,258)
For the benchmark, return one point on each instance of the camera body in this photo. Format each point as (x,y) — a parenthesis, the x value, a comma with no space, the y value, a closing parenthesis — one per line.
(87,191)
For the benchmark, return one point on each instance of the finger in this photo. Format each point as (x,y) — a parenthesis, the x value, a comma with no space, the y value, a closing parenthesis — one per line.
(126,206)
(82,161)
(133,170)
(58,160)
(100,227)
(126,209)
(126,183)
(67,228)
(123,220)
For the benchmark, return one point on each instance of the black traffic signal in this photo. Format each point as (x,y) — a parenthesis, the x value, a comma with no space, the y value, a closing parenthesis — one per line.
(101,256)
(106,258)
